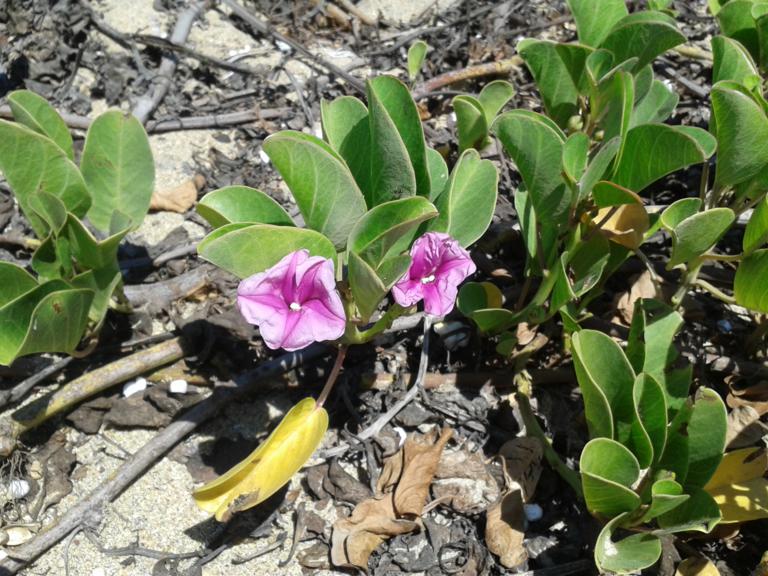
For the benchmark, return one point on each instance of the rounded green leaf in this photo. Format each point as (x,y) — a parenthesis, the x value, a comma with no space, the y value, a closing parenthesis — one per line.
(118,169)
(475,296)
(649,431)
(322,185)
(493,97)
(392,107)
(50,209)
(36,113)
(756,233)
(233,204)
(244,250)
(731,61)
(14,281)
(598,166)
(367,285)
(416,54)
(698,233)
(438,173)
(656,106)
(678,211)
(706,433)
(666,494)
(575,155)
(742,131)
(736,21)
(606,380)
(652,151)
(387,226)
(87,250)
(49,318)
(699,513)
(466,207)
(345,125)
(33,163)
(608,471)
(594,20)
(642,35)
(471,122)
(751,280)
(629,555)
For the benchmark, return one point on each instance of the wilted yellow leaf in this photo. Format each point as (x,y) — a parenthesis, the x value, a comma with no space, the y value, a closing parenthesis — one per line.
(270,466)
(696,567)
(738,485)
(625,224)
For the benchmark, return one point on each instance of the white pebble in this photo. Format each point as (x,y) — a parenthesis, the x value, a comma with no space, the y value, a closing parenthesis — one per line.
(263,156)
(283,47)
(178,387)
(134,386)
(533,512)
(18,489)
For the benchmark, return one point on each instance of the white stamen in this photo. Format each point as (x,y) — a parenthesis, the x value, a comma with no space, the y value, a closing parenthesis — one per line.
(295,306)
(428,279)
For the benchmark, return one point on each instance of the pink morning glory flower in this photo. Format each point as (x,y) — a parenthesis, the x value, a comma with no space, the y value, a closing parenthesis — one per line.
(439,264)
(294,303)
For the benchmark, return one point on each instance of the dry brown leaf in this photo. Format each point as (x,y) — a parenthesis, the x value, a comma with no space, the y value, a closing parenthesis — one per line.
(697,567)
(755,396)
(642,287)
(744,427)
(464,483)
(410,472)
(504,529)
(522,464)
(402,490)
(178,199)
(526,333)
(625,224)
(371,523)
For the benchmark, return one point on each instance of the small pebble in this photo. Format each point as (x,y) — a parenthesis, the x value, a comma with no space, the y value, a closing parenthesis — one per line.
(533,512)
(401,434)
(178,387)
(134,386)
(283,47)
(724,326)
(18,489)
(263,156)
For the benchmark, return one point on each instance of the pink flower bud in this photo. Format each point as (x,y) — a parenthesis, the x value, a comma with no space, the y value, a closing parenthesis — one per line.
(294,303)
(439,264)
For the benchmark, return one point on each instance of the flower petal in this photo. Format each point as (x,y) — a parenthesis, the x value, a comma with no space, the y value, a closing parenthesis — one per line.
(407,291)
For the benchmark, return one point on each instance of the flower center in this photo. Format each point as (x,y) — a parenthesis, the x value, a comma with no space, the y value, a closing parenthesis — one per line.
(428,279)
(295,306)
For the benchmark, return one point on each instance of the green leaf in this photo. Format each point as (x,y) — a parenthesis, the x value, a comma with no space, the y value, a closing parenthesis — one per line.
(629,555)
(346,128)
(438,173)
(608,470)
(731,61)
(51,260)
(382,228)
(736,21)
(391,106)
(742,130)
(756,233)
(698,233)
(475,296)
(751,280)
(642,35)
(575,155)
(33,163)
(467,205)
(652,151)
(580,270)
(678,211)
(231,247)
(536,146)
(598,166)
(706,438)
(643,82)
(416,54)
(666,494)
(118,169)
(87,250)
(656,106)
(471,122)
(594,20)
(14,281)
(649,430)
(698,513)
(367,285)
(606,380)
(321,184)
(553,78)
(50,210)
(613,104)
(103,283)
(36,113)
(49,318)
(234,204)
(493,97)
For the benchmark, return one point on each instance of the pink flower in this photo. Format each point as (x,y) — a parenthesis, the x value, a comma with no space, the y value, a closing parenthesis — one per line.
(439,264)
(294,303)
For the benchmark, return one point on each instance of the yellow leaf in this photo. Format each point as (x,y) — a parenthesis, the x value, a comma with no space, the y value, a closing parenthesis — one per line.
(738,485)
(696,567)
(270,466)
(625,224)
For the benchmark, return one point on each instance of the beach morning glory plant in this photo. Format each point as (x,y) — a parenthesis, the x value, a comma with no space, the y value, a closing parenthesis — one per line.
(387,227)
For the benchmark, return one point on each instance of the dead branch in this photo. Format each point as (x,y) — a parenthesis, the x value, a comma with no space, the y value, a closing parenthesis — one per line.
(490,69)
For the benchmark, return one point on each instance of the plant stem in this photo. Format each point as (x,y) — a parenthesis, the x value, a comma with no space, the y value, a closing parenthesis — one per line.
(333,376)
(533,430)
(714,291)
(690,277)
(723,257)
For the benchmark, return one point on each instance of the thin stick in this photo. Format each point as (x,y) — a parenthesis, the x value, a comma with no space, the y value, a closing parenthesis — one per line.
(267,30)
(382,420)
(479,71)
(22,388)
(150,452)
(147,104)
(84,387)
(333,376)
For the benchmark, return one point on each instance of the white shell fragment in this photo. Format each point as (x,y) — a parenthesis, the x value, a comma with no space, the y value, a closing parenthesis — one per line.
(17,489)
(178,387)
(134,387)
(17,535)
